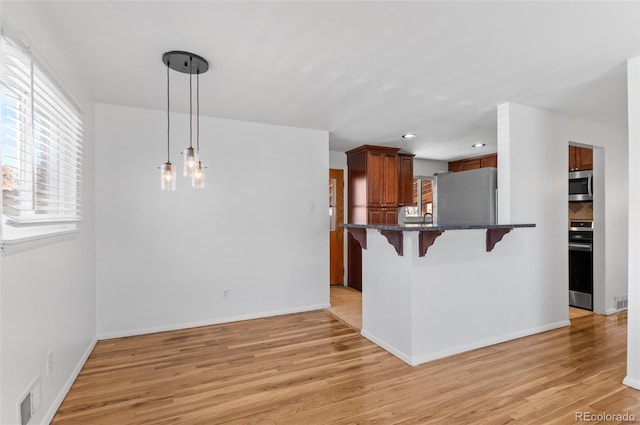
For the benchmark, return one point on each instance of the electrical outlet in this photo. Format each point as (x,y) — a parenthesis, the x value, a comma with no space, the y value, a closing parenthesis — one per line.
(225,294)
(49,362)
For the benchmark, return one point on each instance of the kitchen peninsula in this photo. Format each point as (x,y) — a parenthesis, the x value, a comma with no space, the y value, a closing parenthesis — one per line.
(478,285)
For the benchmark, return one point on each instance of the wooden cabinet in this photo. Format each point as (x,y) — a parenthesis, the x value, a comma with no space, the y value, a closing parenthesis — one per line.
(382,216)
(380,179)
(580,158)
(471,164)
(474,163)
(405,179)
(489,161)
(455,166)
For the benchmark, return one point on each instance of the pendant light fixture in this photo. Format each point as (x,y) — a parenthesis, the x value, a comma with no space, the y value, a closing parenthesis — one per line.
(187,63)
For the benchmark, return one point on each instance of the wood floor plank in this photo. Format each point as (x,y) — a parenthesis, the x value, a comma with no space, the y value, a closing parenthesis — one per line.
(310,368)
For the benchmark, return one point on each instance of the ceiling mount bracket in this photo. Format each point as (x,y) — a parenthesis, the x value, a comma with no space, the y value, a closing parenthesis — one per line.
(185,62)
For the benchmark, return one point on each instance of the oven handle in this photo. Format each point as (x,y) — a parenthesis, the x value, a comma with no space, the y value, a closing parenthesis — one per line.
(585,247)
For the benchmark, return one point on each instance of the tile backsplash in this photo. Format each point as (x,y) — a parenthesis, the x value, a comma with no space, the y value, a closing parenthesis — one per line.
(580,210)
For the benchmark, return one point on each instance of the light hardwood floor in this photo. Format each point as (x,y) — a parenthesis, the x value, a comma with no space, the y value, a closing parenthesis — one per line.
(346,305)
(575,313)
(310,368)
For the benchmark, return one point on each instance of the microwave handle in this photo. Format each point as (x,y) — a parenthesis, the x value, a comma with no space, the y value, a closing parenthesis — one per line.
(590,186)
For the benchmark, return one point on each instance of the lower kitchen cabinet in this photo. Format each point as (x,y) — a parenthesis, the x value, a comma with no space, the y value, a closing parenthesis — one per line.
(382,216)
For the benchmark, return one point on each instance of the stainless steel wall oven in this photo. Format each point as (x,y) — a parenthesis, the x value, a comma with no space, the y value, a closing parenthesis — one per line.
(581,264)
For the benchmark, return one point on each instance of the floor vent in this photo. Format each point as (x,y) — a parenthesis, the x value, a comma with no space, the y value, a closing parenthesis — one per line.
(621,303)
(25,409)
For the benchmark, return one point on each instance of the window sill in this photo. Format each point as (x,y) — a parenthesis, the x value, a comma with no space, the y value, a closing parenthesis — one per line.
(9,247)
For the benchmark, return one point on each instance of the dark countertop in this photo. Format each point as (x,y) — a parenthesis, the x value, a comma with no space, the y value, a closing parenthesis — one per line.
(413,227)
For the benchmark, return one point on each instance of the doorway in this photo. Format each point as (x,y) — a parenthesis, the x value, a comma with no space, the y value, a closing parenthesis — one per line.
(336,233)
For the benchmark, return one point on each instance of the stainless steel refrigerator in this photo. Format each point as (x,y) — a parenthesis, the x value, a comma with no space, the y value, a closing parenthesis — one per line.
(466,197)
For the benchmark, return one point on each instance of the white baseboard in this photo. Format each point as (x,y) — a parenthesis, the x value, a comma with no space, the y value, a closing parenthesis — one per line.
(416,360)
(631,382)
(388,347)
(55,405)
(187,325)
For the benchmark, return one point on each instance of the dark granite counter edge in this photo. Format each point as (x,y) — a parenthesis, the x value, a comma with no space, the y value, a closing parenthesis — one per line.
(415,227)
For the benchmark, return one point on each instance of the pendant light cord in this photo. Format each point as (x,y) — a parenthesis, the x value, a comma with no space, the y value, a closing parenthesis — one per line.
(190,103)
(198,110)
(168,125)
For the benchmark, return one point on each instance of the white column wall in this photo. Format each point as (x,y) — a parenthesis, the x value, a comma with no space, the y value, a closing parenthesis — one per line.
(533,187)
(633,336)
(386,296)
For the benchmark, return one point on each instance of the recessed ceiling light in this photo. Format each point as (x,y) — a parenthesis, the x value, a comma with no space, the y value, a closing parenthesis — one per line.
(409,136)
(479,145)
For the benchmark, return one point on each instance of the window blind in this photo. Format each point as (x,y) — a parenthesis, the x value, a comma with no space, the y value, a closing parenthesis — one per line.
(42,137)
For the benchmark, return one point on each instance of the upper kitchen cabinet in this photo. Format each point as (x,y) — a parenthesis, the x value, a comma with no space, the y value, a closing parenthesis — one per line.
(382,177)
(474,163)
(380,180)
(580,158)
(405,181)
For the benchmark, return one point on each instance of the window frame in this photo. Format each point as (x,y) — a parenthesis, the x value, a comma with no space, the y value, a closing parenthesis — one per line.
(420,207)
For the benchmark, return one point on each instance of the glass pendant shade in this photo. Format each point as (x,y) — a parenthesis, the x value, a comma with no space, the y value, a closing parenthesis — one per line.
(167,177)
(190,162)
(198,178)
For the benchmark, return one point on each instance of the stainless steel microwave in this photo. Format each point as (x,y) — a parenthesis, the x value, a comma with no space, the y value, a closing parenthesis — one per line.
(581,185)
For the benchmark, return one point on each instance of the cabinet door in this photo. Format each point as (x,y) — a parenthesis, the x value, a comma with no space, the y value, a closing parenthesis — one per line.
(390,180)
(472,164)
(390,216)
(405,181)
(455,166)
(354,259)
(382,216)
(584,158)
(489,161)
(572,159)
(375,216)
(580,158)
(375,178)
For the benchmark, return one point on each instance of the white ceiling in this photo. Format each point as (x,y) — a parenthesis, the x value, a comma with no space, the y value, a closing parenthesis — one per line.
(365,71)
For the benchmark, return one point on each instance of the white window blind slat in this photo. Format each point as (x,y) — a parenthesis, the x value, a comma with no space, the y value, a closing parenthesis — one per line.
(49,110)
(52,140)
(64,201)
(48,105)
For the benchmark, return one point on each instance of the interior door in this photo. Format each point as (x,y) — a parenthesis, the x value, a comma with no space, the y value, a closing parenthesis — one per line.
(336,233)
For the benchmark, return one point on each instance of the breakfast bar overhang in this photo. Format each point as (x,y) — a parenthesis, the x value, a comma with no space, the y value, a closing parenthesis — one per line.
(477,285)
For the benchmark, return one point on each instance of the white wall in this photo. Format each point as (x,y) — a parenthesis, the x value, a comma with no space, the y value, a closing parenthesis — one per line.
(338,160)
(457,297)
(633,331)
(532,146)
(259,228)
(428,167)
(47,297)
